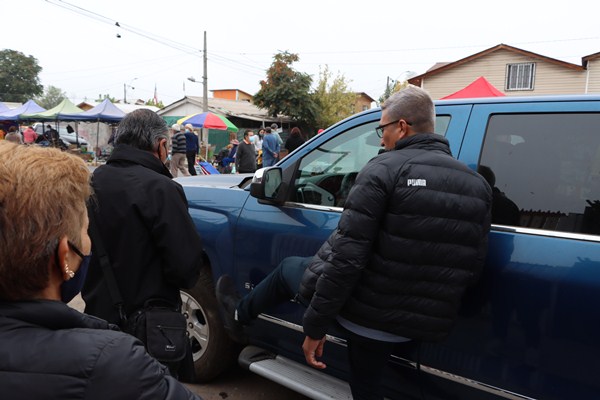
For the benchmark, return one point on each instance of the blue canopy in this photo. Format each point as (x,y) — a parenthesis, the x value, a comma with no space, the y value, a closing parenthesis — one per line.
(105,111)
(30,107)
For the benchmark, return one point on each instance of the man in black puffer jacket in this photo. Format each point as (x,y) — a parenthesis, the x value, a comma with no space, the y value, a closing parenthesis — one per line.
(412,236)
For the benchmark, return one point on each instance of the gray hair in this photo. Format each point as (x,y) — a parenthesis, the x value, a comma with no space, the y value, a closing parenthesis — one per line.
(142,129)
(415,106)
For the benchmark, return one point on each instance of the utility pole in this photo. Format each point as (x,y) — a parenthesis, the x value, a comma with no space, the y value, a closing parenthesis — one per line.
(205,99)
(125,93)
(204,80)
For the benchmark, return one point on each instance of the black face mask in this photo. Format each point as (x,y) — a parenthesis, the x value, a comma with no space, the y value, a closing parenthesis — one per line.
(71,288)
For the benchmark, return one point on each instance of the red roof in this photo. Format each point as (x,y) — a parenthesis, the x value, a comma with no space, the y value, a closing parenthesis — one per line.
(480,87)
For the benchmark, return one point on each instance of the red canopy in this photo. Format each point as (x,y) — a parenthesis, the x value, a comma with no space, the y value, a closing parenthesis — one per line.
(480,87)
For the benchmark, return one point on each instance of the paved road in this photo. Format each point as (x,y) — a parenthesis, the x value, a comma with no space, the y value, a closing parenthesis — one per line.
(236,384)
(239,384)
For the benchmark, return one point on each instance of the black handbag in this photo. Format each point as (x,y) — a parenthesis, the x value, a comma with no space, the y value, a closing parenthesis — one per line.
(163,331)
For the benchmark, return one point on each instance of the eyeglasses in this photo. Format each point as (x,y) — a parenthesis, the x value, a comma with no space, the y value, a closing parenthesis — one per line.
(379,130)
(75,249)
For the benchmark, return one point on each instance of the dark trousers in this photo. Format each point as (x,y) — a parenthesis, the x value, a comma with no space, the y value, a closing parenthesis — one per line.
(191,159)
(279,286)
(368,357)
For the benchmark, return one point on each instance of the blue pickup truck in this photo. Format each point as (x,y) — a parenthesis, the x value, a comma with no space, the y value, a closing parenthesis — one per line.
(530,328)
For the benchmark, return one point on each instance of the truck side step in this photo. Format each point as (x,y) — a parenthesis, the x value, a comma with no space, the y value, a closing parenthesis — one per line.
(298,377)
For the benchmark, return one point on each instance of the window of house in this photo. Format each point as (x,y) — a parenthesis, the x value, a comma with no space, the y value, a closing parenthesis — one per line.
(520,76)
(544,170)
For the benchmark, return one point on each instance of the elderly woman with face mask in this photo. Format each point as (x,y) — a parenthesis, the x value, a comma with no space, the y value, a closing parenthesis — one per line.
(47,349)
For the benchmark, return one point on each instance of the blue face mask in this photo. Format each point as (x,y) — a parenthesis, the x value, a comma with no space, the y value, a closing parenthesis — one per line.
(252,139)
(71,288)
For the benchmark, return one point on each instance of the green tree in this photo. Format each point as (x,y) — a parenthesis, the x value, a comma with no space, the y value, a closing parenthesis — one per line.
(393,86)
(286,91)
(152,102)
(101,98)
(51,98)
(334,99)
(19,80)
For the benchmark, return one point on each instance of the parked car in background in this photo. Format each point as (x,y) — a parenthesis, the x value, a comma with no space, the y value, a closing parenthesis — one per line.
(65,136)
(528,330)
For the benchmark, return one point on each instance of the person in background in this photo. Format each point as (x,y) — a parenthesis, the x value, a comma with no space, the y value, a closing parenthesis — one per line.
(192,148)
(321,130)
(258,145)
(234,142)
(270,149)
(275,132)
(14,137)
(295,140)
(2,134)
(49,350)
(245,160)
(142,218)
(178,150)
(52,137)
(29,135)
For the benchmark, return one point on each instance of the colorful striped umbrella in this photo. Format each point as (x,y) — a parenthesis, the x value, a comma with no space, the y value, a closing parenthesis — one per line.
(208,120)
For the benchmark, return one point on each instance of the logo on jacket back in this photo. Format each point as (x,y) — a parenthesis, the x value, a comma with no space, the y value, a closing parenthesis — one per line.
(416,182)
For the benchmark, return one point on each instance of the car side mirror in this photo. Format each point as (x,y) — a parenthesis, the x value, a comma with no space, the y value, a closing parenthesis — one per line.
(268,185)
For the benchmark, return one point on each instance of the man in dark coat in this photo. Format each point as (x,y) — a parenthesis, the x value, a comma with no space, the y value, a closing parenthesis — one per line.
(142,218)
(192,148)
(245,157)
(412,236)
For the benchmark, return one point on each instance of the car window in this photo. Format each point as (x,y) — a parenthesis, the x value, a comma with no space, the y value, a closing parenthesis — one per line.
(327,173)
(441,124)
(545,170)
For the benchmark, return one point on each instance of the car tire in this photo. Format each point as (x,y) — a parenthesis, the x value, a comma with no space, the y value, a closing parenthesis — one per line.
(213,350)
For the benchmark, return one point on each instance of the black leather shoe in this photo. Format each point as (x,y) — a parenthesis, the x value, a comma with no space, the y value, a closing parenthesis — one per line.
(228,299)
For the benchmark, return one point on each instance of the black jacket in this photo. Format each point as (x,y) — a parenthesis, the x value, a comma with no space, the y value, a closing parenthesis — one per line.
(245,158)
(150,238)
(293,142)
(412,236)
(51,351)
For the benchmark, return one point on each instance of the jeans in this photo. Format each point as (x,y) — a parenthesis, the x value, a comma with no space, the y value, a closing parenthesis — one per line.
(368,358)
(279,286)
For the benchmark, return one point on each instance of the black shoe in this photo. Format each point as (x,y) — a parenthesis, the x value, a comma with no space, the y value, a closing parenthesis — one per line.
(228,299)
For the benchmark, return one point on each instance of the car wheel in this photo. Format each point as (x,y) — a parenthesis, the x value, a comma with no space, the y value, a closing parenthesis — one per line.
(213,350)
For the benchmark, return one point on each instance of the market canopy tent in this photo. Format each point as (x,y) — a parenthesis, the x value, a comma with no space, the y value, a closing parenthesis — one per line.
(480,87)
(3,107)
(15,114)
(65,107)
(105,112)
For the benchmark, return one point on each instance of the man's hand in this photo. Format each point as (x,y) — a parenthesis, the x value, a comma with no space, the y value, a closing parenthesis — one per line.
(313,348)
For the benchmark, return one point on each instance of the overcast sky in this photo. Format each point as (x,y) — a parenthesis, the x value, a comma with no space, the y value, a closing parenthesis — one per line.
(366,41)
